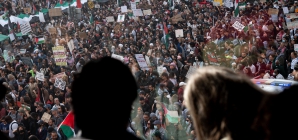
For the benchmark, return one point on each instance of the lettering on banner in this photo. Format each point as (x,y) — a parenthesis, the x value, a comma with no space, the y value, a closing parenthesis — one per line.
(25,28)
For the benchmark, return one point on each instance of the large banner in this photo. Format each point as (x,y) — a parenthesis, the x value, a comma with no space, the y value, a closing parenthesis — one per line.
(59,56)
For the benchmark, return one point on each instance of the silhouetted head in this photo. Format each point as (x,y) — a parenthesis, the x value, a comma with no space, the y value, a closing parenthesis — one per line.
(108,85)
(222,103)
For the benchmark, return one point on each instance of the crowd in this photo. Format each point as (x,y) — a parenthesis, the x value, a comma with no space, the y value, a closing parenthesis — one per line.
(38,81)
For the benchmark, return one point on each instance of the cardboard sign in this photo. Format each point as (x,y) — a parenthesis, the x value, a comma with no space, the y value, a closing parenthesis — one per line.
(55,12)
(52,30)
(176,18)
(59,75)
(39,76)
(83,35)
(272,11)
(27,10)
(46,117)
(110,19)
(179,33)
(147,12)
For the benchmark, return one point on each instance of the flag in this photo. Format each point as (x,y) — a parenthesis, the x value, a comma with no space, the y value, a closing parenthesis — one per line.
(61,1)
(91,19)
(39,40)
(34,8)
(79,4)
(236,11)
(166,34)
(67,126)
(12,35)
(119,3)
(18,26)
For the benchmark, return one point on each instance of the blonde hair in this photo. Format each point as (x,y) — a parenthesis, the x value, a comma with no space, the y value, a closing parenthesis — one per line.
(217,106)
(11,77)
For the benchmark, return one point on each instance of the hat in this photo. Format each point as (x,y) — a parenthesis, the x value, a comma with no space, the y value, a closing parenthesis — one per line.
(182,84)
(152,115)
(40,122)
(47,106)
(151,44)
(156,122)
(21,110)
(54,109)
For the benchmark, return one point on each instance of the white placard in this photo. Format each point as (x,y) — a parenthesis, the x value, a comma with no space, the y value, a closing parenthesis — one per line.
(39,76)
(11,37)
(121,18)
(179,33)
(22,51)
(133,5)
(216,4)
(141,61)
(137,12)
(123,9)
(147,12)
(296,47)
(159,70)
(97,6)
(286,10)
(59,83)
(41,17)
(190,71)
(70,45)
(110,19)
(119,57)
(274,18)
(25,28)
(229,4)
(238,26)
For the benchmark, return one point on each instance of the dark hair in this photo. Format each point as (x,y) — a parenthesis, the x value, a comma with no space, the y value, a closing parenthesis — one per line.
(32,137)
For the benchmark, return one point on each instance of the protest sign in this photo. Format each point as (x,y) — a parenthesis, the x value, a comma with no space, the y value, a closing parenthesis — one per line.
(110,19)
(52,30)
(121,18)
(286,10)
(58,75)
(41,17)
(39,76)
(46,117)
(83,35)
(97,6)
(274,18)
(137,12)
(176,18)
(292,25)
(147,12)
(179,33)
(123,9)
(27,10)
(296,47)
(238,26)
(272,11)
(141,61)
(190,71)
(133,5)
(70,45)
(59,83)
(55,12)
(59,56)
(119,57)
(228,4)
(25,28)
(234,19)
(159,69)
(292,15)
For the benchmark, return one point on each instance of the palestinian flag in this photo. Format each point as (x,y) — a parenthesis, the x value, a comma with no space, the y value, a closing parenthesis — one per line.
(79,4)
(236,11)
(166,34)
(61,1)
(67,126)
(39,40)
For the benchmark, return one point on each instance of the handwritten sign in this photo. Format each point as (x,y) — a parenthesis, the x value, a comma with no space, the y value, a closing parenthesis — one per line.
(292,15)
(147,12)
(141,61)
(286,10)
(123,9)
(121,18)
(39,76)
(59,55)
(52,30)
(179,33)
(55,12)
(272,11)
(110,19)
(238,26)
(133,5)
(137,12)
(292,25)
(46,117)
